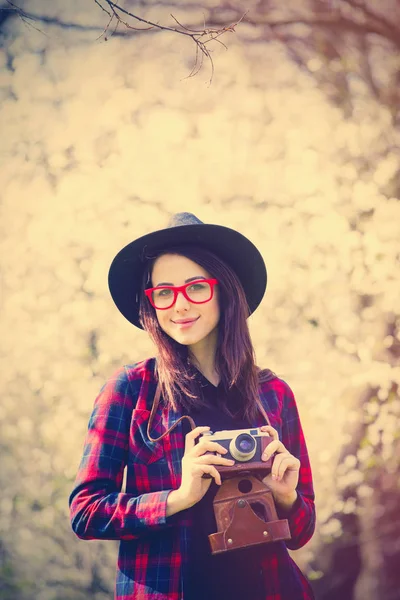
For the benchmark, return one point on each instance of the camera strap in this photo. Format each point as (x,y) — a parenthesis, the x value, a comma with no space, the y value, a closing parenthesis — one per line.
(262,410)
(154,408)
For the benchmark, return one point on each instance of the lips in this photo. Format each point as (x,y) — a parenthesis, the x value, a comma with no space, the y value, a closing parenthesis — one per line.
(185,321)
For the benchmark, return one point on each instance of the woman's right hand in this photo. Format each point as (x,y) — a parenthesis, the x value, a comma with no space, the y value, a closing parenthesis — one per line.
(196,463)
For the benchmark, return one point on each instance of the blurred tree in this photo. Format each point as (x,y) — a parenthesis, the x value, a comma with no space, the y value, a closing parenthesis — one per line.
(10,582)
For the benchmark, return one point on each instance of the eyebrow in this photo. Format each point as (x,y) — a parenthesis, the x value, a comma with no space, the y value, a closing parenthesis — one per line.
(186,280)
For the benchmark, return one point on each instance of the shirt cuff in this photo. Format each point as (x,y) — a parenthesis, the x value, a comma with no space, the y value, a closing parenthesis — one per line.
(152,508)
(284,513)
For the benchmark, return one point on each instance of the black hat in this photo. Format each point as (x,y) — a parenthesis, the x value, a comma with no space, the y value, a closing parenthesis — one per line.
(127,268)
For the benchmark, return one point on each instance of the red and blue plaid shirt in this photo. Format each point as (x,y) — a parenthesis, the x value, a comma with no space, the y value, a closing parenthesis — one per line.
(153,548)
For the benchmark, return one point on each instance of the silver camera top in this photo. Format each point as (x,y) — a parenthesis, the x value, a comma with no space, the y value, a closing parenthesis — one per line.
(242,444)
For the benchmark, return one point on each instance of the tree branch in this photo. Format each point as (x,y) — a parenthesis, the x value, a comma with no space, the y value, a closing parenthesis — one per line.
(360,21)
(200,37)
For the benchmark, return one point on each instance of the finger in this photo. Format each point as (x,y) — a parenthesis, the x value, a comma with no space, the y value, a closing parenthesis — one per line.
(275,446)
(278,459)
(212,459)
(192,435)
(209,470)
(207,446)
(272,432)
(287,462)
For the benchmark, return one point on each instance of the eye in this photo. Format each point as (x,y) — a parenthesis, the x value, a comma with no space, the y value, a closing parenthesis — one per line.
(163,293)
(196,287)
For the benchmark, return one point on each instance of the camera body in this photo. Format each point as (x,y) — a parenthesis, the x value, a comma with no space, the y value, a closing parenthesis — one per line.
(243,445)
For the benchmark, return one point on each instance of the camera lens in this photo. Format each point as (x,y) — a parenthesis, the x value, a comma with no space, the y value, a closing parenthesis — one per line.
(243,447)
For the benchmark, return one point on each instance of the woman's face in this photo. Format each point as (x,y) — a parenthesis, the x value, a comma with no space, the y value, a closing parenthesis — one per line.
(172,269)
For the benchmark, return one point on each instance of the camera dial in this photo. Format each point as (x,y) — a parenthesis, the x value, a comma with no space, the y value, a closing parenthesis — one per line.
(243,447)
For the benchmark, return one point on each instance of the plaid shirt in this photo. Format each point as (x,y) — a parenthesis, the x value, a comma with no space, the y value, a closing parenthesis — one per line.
(153,548)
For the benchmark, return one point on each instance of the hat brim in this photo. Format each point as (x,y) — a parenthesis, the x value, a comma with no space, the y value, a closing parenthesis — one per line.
(126,270)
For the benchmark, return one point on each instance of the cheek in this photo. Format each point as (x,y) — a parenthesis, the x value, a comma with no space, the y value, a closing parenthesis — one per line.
(162,319)
(215,313)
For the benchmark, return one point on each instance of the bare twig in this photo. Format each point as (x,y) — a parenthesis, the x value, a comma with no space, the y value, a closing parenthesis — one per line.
(16,8)
(201,37)
(119,15)
(25,17)
(106,28)
(102,8)
(114,7)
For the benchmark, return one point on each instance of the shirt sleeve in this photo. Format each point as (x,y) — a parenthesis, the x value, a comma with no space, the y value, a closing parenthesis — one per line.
(301,516)
(98,508)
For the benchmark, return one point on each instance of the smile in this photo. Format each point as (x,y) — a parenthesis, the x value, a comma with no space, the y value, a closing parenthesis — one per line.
(186,324)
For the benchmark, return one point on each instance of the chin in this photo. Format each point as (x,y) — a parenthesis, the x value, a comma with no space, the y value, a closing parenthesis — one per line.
(186,340)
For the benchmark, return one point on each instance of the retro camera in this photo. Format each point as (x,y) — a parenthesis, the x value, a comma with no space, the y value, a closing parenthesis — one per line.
(244,507)
(243,445)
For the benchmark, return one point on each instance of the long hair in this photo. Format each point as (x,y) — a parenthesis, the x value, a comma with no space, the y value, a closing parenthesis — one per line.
(235,356)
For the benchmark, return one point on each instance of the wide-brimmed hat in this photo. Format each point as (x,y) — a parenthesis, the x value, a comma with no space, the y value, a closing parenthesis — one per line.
(127,269)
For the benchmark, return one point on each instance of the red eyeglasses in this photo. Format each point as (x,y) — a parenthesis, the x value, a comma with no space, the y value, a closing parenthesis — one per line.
(198,292)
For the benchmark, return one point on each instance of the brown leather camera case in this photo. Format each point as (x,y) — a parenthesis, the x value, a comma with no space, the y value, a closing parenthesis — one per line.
(237,523)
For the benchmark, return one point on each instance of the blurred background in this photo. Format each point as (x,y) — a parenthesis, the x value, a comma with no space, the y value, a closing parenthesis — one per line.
(289,132)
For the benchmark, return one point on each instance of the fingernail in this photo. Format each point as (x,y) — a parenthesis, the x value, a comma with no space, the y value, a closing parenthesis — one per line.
(274,477)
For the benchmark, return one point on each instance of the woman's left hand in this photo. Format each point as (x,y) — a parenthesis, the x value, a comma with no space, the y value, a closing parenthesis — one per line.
(284,475)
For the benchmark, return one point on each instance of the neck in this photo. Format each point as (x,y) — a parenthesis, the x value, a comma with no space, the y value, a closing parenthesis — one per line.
(202,356)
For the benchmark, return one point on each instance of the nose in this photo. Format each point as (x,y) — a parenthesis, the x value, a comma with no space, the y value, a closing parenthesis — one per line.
(181,302)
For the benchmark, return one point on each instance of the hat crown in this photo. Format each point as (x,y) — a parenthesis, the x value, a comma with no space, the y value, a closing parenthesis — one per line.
(184,218)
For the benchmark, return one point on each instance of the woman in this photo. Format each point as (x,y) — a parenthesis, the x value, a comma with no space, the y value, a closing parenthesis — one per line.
(191,286)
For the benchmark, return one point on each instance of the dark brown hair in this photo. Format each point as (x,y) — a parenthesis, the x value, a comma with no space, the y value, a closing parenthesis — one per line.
(235,357)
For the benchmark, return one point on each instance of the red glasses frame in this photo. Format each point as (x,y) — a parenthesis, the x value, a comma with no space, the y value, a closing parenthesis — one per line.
(180,288)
